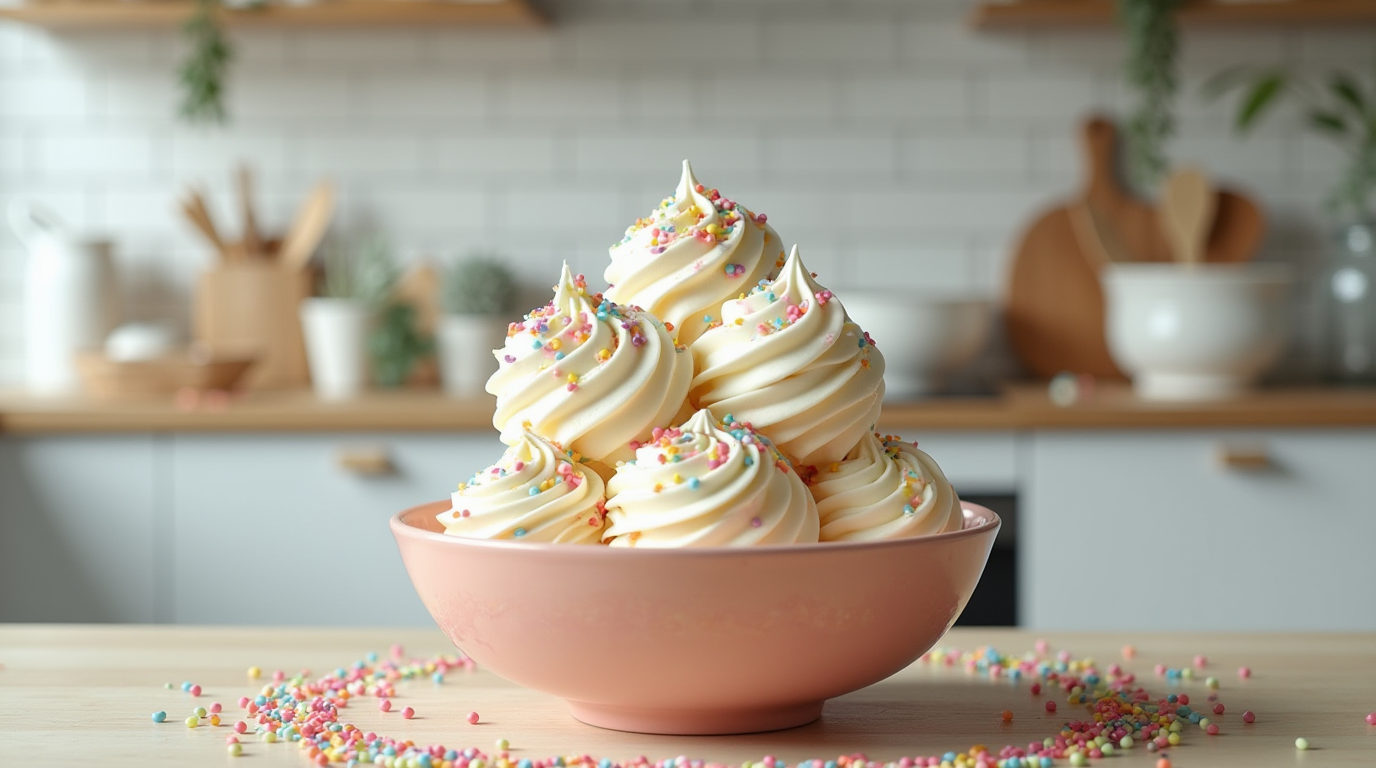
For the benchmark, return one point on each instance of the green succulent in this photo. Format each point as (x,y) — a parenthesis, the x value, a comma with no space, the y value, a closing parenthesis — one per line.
(1338,108)
(396,344)
(367,272)
(478,285)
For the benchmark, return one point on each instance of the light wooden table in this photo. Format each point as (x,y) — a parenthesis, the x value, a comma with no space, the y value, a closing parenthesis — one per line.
(83,694)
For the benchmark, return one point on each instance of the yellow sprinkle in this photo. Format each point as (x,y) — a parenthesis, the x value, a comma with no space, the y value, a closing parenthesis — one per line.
(659,487)
(604,354)
(254,673)
(740,321)
(713,229)
(573,378)
(677,478)
(554,344)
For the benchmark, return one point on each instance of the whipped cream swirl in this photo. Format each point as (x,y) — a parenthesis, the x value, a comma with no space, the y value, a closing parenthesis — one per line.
(588,374)
(536,492)
(708,484)
(696,250)
(788,360)
(884,489)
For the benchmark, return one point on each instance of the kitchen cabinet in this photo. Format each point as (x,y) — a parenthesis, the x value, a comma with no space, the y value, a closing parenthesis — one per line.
(82,526)
(1186,529)
(292,529)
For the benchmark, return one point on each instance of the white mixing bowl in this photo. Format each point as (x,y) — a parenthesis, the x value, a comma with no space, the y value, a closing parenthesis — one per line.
(924,339)
(1195,333)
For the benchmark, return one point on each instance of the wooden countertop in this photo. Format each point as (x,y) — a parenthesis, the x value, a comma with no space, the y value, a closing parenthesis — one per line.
(83,695)
(1020,406)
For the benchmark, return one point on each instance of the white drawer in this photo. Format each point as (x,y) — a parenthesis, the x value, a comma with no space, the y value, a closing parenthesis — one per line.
(1150,530)
(257,512)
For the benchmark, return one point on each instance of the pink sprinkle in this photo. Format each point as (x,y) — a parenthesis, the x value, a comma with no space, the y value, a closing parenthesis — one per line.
(473,718)
(385,705)
(408,713)
(243,702)
(1184,698)
(278,676)
(195,690)
(755,522)
(1042,646)
(240,727)
(1218,708)
(215,708)
(232,739)
(761,218)
(1036,689)
(1160,669)
(1244,672)
(509,358)
(1249,717)
(1371,719)
(1212,730)
(1201,662)
(518,466)
(397,650)
(1050,706)
(1129,652)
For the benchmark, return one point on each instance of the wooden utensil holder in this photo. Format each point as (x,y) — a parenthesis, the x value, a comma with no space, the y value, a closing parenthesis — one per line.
(250,307)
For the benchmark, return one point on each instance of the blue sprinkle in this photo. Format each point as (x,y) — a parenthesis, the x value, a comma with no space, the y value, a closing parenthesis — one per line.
(159,716)
(534,490)
(525,763)
(706,318)
(558,355)
(519,532)
(949,757)
(693,483)
(749,462)
(186,685)
(438,677)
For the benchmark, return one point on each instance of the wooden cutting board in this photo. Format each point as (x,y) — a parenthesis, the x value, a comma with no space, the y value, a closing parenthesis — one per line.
(1054,306)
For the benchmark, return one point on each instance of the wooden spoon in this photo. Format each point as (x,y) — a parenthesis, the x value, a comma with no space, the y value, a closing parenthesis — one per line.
(309,226)
(1187,214)
(193,207)
(253,244)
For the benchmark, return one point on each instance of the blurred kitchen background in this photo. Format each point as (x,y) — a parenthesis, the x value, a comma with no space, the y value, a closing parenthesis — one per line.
(902,145)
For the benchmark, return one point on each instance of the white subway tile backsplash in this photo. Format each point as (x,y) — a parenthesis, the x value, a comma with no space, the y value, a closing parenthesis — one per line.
(831,155)
(907,96)
(886,138)
(95,154)
(977,157)
(526,153)
(830,42)
(704,43)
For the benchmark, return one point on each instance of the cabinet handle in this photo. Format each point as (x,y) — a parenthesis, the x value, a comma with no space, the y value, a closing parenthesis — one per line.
(369,462)
(1250,459)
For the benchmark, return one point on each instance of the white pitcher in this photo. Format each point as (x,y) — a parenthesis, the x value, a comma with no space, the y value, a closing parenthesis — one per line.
(69,298)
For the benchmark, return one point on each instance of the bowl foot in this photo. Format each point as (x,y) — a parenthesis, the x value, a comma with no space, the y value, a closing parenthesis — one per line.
(696,722)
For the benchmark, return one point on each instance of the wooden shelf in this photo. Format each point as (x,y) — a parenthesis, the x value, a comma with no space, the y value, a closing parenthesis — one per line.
(1067,13)
(77,14)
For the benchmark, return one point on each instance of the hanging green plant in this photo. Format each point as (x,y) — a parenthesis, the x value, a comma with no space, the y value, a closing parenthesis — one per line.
(1339,109)
(202,75)
(1150,69)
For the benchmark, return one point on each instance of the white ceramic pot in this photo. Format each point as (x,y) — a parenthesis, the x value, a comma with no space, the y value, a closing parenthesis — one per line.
(1195,333)
(464,345)
(336,333)
(69,298)
(924,339)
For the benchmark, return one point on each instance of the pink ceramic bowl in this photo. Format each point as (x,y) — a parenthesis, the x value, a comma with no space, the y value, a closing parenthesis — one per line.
(694,641)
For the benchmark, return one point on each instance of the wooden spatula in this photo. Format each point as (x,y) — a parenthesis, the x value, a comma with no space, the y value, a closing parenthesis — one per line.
(193,207)
(308,227)
(253,244)
(1187,214)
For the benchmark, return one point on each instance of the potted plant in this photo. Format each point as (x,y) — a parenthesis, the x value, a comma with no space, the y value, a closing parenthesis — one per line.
(478,295)
(1340,109)
(1150,69)
(357,282)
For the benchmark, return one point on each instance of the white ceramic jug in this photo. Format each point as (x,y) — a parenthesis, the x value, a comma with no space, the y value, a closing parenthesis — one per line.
(69,298)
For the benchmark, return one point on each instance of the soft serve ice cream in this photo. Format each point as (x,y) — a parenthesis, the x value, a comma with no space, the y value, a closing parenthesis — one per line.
(884,489)
(708,483)
(588,374)
(536,492)
(787,359)
(694,251)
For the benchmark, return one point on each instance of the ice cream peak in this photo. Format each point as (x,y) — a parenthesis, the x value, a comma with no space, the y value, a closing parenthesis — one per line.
(786,358)
(708,483)
(588,373)
(537,491)
(694,251)
(884,489)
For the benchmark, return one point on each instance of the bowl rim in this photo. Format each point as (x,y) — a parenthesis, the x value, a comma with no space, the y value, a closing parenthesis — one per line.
(990,523)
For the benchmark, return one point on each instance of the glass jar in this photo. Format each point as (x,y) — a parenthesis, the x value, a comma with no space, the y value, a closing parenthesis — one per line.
(1347,303)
